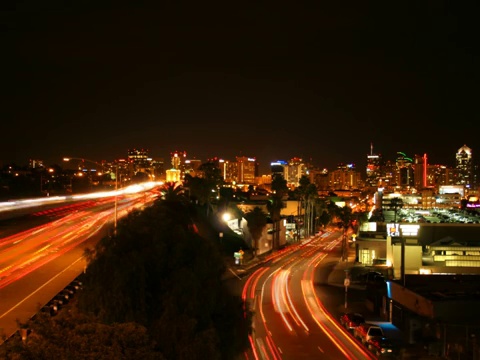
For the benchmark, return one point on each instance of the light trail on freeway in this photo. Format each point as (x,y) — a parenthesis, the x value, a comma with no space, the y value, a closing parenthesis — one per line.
(33,256)
(289,320)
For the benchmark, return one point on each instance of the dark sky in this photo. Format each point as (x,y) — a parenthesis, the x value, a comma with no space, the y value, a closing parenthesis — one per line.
(271,80)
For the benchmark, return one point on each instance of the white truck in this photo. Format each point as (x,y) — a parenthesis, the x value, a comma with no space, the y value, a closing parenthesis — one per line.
(366,331)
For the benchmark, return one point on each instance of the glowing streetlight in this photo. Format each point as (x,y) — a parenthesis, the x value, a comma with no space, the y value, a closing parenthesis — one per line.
(116,188)
(226,217)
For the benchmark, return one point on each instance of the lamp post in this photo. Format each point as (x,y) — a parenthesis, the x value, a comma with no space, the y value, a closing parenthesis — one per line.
(116,189)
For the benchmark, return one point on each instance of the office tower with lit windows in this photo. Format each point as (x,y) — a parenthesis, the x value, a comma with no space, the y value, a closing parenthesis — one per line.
(158,166)
(464,167)
(420,171)
(345,177)
(139,160)
(374,168)
(295,170)
(247,170)
(321,179)
(192,166)
(405,177)
(388,176)
(280,168)
(229,171)
(437,175)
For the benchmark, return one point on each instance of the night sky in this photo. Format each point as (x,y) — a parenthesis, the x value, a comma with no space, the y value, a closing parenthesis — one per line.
(271,80)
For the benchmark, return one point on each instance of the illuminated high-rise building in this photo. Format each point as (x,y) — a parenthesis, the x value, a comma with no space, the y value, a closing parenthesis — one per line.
(321,179)
(405,178)
(139,159)
(139,162)
(159,169)
(437,175)
(279,167)
(464,167)
(192,166)
(345,177)
(374,169)
(296,168)
(420,172)
(229,171)
(247,170)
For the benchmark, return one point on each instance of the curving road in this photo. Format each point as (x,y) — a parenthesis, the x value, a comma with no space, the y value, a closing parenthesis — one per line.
(290,321)
(38,258)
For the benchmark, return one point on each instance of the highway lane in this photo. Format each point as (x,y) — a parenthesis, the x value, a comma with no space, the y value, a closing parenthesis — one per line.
(41,258)
(290,321)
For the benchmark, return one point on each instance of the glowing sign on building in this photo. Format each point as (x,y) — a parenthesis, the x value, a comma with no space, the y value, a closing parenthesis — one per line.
(393,230)
(402,230)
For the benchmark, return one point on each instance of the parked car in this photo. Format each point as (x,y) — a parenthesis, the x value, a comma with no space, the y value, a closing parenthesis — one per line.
(351,320)
(366,332)
(382,347)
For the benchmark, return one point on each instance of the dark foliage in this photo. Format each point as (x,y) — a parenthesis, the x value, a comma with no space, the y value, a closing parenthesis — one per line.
(73,335)
(160,273)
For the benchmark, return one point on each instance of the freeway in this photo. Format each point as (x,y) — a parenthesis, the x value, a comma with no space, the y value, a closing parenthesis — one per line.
(41,252)
(290,321)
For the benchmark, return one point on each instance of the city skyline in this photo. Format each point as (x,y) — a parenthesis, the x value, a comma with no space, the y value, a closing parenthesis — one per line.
(315,81)
(264,168)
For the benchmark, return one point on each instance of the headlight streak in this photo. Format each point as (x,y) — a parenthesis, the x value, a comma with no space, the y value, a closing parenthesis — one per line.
(298,320)
(254,285)
(316,308)
(278,293)
(273,348)
(281,298)
(17,204)
(271,344)
(254,349)
(38,246)
(254,280)
(312,304)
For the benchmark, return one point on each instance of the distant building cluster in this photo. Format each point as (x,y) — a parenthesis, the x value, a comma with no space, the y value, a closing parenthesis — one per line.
(419,183)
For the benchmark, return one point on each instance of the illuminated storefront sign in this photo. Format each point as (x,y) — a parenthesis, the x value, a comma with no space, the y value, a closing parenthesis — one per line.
(402,230)
(393,230)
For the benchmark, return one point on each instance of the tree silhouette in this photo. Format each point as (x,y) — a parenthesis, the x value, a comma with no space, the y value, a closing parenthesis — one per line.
(256,222)
(396,204)
(159,274)
(346,218)
(275,205)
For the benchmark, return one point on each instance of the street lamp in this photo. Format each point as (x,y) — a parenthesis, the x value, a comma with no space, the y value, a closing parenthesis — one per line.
(116,188)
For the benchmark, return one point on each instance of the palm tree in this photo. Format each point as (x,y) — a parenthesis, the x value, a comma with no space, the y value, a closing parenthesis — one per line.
(256,222)
(275,205)
(172,192)
(206,186)
(301,193)
(396,203)
(346,219)
(311,196)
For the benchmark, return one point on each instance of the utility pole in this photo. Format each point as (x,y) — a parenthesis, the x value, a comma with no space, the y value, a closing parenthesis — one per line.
(116,189)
